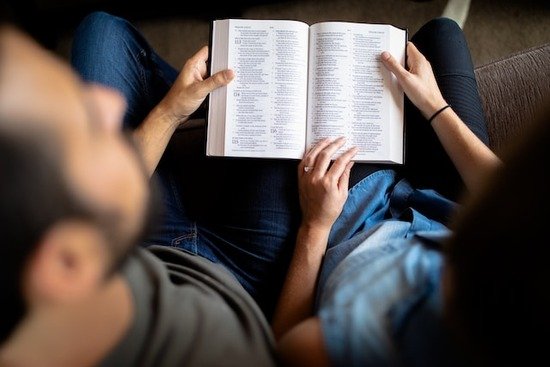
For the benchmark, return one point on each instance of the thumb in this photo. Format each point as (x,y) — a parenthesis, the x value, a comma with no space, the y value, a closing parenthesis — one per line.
(392,65)
(220,79)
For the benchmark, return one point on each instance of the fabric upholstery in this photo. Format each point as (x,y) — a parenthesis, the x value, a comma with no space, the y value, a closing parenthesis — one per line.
(513,89)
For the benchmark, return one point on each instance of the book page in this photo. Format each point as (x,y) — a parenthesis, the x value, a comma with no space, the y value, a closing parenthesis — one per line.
(266,105)
(351,93)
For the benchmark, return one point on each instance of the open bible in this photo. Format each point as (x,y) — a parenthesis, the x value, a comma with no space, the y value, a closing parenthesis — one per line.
(296,84)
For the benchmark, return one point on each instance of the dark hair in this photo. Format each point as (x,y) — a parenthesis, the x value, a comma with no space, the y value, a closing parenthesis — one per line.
(499,258)
(33,195)
(6,13)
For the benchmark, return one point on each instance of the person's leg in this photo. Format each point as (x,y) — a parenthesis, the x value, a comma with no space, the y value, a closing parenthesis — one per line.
(247,214)
(108,50)
(427,164)
(242,213)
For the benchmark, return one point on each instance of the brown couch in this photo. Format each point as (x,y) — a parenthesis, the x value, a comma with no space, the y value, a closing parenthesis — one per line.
(513,89)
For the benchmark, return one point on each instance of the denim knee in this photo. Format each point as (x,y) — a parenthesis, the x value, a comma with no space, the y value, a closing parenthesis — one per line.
(100,21)
(100,34)
(98,28)
(102,41)
(441,25)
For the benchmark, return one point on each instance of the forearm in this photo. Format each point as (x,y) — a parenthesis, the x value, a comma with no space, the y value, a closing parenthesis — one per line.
(297,296)
(471,157)
(153,135)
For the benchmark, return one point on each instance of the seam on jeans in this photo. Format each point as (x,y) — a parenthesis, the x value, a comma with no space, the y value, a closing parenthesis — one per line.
(175,192)
(159,73)
(189,237)
(195,238)
(179,239)
(142,56)
(457,74)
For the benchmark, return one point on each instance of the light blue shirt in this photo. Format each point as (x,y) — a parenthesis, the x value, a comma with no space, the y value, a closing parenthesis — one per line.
(381,274)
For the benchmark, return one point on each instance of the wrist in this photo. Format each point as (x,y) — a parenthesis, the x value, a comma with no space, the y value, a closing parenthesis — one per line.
(439,112)
(433,106)
(312,240)
(312,229)
(165,114)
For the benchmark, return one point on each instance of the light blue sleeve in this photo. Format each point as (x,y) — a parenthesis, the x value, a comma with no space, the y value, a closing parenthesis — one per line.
(354,307)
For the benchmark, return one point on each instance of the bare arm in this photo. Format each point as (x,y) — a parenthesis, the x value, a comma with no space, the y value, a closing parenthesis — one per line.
(296,300)
(186,95)
(323,192)
(304,345)
(471,157)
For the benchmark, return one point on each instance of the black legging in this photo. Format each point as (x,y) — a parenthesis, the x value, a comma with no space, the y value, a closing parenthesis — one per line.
(427,165)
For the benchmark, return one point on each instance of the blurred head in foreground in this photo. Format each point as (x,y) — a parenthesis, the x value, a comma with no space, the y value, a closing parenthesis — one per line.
(74,195)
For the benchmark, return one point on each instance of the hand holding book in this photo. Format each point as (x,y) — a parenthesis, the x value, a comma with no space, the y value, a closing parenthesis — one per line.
(418,82)
(297,84)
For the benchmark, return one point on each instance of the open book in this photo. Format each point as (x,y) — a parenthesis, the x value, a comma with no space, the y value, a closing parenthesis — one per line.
(296,84)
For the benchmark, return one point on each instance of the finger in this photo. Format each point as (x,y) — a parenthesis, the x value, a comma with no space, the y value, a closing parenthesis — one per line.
(220,79)
(340,164)
(316,148)
(325,156)
(311,154)
(202,69)
(199,62)
(201,56)
(393,65)
(343,182)
(413,54)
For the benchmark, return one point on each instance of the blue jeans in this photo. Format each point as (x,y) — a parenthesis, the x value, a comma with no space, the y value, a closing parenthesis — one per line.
(240,213)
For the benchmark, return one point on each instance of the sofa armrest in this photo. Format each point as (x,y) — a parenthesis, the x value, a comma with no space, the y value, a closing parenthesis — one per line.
(513,90)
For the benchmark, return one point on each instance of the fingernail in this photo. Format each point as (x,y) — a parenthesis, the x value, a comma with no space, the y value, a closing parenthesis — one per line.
(229,74)
(386,55)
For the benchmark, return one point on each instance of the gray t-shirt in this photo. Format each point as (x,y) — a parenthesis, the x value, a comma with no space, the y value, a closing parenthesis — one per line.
(190,312)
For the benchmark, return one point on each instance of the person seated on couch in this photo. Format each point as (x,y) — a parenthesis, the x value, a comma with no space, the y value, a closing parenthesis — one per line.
(76,199)
(393,273)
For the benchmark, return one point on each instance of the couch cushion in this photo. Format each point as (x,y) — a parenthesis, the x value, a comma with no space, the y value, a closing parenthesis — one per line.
(513,90)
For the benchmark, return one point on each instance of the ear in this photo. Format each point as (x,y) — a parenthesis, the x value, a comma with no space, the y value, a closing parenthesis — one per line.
(109,104)
(68,265)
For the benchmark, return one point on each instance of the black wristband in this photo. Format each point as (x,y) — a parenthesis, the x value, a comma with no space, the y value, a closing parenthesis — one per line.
(438,112)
